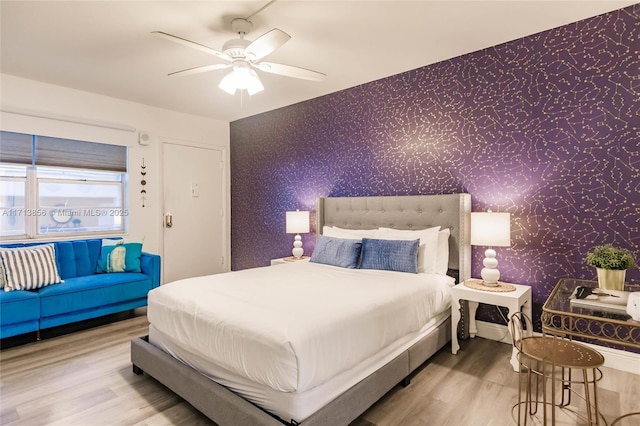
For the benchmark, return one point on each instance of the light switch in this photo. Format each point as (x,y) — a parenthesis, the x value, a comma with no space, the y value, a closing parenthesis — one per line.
(195,189)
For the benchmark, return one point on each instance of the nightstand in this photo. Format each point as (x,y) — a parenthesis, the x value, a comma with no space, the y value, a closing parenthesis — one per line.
(291,259)
(513,300)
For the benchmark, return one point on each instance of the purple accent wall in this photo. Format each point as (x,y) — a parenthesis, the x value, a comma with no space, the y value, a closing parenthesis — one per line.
(546,127)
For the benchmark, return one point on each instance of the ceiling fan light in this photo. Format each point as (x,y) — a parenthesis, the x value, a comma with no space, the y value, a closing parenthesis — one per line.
(228,83)
(253,83)
(241,78)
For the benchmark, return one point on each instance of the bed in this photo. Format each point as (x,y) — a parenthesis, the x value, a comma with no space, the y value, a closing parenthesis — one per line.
(294,371)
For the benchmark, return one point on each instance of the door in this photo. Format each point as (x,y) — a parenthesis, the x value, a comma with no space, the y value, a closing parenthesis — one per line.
(193,242)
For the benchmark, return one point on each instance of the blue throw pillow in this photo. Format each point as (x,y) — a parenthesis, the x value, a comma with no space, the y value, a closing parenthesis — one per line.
(390,255)
(337,252)
(119,256)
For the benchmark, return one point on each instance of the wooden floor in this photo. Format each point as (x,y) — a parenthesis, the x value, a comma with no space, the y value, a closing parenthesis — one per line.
(85,378)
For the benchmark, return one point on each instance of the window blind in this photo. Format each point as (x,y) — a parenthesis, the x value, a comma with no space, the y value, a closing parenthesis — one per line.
(80,154)
(62,152)
(16,148)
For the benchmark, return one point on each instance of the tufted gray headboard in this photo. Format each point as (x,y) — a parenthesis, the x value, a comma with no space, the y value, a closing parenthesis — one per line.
(451,211)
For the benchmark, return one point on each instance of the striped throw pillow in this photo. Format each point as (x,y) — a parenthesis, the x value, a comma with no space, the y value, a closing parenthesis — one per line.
(3,275)
(29,268)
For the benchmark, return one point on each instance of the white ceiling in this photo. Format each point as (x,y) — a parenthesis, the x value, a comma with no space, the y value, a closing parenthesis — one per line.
(106,47)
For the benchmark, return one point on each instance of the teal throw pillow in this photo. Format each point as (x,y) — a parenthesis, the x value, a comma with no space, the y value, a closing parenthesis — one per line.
(119,256)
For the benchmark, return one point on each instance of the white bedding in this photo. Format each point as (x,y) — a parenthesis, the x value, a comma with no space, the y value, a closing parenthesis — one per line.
(293,327)
(295,407)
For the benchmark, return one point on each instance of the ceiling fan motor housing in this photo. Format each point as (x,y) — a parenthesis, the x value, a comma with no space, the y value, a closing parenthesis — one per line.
(235,48)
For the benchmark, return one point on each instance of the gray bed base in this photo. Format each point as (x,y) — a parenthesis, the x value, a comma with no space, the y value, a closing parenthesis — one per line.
(402,212)
(225,407)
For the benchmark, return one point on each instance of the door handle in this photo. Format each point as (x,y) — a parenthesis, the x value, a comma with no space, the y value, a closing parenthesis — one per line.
(168,220)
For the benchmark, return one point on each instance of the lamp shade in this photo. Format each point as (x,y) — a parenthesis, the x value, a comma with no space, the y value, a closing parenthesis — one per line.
(241,78)
(491,229)
(297,222)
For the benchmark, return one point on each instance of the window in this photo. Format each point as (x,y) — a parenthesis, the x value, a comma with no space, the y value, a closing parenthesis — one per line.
(80,201)
(37,199)
(13,188)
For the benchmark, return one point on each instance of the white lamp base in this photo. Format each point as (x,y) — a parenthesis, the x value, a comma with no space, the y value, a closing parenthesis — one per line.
(490,273)
(297,251)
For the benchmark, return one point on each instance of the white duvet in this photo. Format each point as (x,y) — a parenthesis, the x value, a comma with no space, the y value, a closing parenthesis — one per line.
(292,327)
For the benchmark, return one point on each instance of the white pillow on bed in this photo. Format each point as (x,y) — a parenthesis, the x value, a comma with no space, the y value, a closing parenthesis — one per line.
(427,250)
(440,246)
(442,258)
(335,232)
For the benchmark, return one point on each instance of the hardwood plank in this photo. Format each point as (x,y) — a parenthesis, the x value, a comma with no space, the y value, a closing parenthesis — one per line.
(85,378)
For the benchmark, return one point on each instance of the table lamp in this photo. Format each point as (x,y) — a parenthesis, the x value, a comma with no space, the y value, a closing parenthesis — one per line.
(297,222)
(490,229)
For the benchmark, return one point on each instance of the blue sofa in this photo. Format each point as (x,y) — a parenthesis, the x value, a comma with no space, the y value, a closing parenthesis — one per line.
(83,294)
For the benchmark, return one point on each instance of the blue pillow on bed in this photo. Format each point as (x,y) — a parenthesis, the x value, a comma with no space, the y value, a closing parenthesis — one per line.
(337,252)
(390,255)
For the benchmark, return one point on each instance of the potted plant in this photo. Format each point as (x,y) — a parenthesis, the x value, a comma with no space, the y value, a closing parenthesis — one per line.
(611,264)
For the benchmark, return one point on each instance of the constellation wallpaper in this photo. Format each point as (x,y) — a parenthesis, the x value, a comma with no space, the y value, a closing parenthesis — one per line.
(546,127)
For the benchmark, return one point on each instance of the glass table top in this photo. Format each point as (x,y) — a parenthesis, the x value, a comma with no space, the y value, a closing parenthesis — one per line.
(602,318)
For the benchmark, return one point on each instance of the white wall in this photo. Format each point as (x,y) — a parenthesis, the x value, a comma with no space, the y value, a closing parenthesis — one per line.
(20,97)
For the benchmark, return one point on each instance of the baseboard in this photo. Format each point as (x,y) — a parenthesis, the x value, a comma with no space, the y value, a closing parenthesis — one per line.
(492,331)
(613,358)
(620,360)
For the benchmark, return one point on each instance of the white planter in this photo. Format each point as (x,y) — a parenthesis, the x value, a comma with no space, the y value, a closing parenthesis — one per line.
(611,279)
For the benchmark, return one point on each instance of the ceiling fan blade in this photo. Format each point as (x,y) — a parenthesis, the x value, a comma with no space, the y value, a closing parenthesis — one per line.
(266,43)
(290,71)
(198,70)
(192,44)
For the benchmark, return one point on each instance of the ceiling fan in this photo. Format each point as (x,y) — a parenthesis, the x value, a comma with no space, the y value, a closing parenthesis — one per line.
(242,56)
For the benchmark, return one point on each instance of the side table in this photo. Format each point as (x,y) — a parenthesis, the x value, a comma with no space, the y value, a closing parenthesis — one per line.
(512,300)
(285,260)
